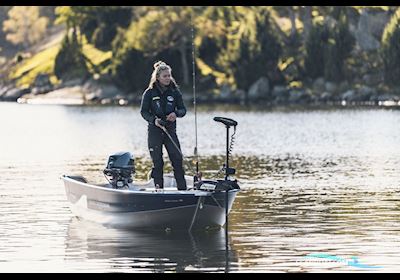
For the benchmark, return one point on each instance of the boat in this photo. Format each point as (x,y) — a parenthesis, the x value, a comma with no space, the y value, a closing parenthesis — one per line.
(125,203)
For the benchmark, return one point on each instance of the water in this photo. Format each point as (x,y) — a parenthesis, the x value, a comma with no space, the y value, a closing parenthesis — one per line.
(313,182)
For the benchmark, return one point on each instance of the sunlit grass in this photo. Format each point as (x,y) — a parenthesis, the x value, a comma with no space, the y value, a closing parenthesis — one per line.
(96,56)
(43,63)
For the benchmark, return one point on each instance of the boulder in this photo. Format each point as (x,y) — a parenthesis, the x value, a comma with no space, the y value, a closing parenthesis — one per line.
(370,28)
(331,87)
(14,94)
(42,80)
(319,85)
(349,95)
(260,89)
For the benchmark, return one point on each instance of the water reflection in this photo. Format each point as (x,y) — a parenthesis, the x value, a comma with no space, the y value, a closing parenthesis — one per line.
(117,250)
(313,181)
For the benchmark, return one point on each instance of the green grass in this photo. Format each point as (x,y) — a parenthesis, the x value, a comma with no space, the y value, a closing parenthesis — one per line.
(43,62)
(96,56)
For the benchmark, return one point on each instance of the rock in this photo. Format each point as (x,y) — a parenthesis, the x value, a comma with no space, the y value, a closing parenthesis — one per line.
(42,89)
(298,96)
(388,97)
(3,90)
(260,89)
(72,83)
(225,92)
(331,87)
(280,91)
(42,80)
(106,101)
(349,95)
(326,96)
(372,79)
(343,86)
(240,95)
(98,91)
(370,27)
(319,85)
(365,92)
(14,94)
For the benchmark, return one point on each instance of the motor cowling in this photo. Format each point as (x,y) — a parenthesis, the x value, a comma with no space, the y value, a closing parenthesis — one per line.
(120,169)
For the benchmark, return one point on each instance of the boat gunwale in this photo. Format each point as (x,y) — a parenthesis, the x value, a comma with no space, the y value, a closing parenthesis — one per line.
(144,192)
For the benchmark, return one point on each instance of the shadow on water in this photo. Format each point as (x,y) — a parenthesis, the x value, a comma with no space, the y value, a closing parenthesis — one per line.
(121,250)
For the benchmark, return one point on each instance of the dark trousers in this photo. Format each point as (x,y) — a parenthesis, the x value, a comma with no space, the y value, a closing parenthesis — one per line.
(156,138)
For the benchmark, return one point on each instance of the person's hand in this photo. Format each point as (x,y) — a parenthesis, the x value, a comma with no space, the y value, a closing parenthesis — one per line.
(157,123)
(171,117)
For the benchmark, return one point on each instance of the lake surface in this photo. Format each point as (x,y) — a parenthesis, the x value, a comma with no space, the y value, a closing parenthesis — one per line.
(321,181)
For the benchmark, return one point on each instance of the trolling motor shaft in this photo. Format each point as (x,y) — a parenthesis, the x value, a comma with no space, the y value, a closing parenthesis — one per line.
(228,123)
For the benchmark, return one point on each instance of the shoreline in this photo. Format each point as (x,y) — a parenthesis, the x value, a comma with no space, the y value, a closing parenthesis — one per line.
(80,95)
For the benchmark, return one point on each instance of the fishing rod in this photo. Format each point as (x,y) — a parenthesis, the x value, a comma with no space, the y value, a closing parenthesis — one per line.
(197,176)
(174,143)
(172,140)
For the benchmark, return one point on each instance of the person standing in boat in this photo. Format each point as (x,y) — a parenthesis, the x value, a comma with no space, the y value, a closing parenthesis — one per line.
(161,104)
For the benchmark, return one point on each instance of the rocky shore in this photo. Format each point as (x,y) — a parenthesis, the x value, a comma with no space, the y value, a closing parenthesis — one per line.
(95,92)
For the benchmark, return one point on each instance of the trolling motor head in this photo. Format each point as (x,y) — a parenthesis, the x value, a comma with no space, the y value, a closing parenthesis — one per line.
(228,123)
(119,170)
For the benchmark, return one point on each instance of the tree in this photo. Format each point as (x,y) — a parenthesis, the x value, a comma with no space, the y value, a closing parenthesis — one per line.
(243,43)
(24,25)
(390,50)
(328,45)
(164,28)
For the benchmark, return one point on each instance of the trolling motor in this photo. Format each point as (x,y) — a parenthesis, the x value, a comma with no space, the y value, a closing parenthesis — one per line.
(226,184)
(119,170)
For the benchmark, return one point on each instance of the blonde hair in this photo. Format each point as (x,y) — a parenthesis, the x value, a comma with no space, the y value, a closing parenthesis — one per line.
(158,67)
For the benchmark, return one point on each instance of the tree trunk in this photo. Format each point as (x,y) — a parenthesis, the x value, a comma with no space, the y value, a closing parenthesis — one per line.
(292,16)
(185,68)
(307,21)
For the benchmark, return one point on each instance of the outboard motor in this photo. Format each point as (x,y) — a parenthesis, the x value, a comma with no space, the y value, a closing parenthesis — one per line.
(119,170)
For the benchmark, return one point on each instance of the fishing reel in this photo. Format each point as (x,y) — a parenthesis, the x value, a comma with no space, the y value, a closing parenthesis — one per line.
(119,170)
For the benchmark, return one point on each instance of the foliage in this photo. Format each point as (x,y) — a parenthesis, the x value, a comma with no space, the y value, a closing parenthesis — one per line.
(164,30)
(242,44)
(102,22)
(235,45)
(70,63)
(327,47)
(24,25)
(42,62)
(314,60)
(339,48)
(390,50)
(131,70)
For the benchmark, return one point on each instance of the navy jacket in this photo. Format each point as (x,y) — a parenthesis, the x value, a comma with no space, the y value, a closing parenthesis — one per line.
(157,104)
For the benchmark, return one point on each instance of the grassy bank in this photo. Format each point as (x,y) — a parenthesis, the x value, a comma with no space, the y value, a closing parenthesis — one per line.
(25,72)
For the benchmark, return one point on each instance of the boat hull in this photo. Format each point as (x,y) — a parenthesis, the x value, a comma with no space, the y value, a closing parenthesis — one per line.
(147,209)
